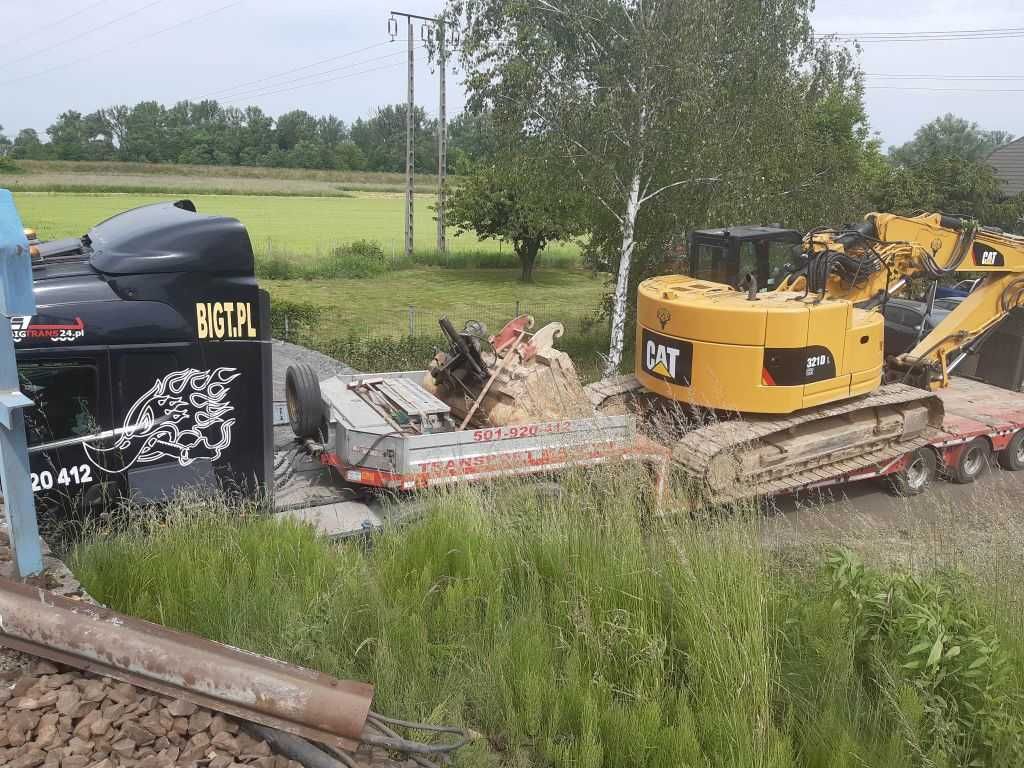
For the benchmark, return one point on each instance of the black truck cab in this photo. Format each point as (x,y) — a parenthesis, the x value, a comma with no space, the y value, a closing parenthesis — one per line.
(148,360)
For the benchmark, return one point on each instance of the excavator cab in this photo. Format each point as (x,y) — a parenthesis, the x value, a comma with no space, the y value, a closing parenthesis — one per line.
(729,254)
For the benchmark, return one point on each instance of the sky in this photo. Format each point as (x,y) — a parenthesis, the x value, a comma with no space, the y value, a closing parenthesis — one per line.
(335,56)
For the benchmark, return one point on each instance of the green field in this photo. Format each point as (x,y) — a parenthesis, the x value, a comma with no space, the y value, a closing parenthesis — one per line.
(295,226)
(113,176)
(376,316)
(381,306)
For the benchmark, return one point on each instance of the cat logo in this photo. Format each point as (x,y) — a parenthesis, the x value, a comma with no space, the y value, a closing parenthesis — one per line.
(987,256)
(667,358)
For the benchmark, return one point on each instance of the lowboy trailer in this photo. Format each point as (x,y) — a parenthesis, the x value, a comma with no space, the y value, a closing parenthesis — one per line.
(982,423)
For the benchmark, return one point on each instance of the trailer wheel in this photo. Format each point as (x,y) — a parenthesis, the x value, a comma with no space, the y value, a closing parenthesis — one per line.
(1012,456)
(306,410)
(972,462)
(916,476)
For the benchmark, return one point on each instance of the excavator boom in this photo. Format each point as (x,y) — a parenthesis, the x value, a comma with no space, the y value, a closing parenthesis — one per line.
(890,250)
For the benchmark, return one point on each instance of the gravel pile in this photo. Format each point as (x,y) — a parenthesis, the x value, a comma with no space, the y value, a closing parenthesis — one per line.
(69,719)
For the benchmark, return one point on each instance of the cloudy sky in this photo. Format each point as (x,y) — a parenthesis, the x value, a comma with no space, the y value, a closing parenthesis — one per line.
(335,56)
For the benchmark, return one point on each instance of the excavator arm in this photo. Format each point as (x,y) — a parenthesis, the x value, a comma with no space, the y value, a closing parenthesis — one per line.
(937,354)
(867,264)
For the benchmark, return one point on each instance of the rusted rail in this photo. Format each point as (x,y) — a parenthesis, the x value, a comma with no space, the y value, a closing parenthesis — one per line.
(238,683)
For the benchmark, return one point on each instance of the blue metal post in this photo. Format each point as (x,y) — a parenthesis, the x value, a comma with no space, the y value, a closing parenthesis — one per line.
(16,299)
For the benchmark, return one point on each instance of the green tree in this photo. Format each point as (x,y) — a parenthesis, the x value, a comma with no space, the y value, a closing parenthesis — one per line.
(142,132)
(471,139)
(349,157)
(949,136)
(648,112)
(27,146)
(516,198)
(5,143)
(381,139)
(295,126)
(944,168)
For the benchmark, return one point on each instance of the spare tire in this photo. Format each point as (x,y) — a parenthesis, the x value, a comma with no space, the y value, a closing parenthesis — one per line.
(306,410)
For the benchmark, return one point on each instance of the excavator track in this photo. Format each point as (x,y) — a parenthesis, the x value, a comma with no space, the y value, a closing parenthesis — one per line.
(767,455)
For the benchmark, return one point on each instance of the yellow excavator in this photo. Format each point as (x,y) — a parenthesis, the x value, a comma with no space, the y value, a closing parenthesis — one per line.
(791,385)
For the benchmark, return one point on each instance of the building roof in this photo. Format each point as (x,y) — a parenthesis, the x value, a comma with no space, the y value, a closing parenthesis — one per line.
(1008,163)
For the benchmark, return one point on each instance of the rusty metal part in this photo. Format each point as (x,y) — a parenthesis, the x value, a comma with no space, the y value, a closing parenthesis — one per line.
(245,685)
(497,371)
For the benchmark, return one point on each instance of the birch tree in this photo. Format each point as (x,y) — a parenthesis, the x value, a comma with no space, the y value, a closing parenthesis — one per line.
(599,76)
(649,98)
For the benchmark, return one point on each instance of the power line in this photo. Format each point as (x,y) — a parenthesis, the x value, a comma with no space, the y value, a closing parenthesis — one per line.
(79,35)
(933,76)
(36,33)
(918,37)
(121,46)
(320,82)
(249,93)
(276,75)
(942,90)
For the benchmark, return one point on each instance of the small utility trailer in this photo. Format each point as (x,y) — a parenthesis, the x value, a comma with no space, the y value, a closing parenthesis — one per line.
(386,431)
(982,423)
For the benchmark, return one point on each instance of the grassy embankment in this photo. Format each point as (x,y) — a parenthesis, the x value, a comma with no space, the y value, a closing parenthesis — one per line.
(353,303)
(580,632)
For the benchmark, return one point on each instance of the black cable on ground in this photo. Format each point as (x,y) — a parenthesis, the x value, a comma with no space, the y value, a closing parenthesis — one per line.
(295,747)
(404,745)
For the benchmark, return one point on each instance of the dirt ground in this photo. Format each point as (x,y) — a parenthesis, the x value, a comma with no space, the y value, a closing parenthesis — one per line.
(947,525)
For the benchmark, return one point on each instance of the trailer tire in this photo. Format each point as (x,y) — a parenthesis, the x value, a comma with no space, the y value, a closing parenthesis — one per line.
(972,462)
(917,476)
(1012,456)
(306,412)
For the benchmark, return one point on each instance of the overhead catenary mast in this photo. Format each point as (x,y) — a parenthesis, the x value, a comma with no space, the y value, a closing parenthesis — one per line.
(442,141)
(442,127)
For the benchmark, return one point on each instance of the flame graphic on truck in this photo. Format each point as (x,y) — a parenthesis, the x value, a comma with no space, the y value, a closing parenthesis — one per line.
(185,416)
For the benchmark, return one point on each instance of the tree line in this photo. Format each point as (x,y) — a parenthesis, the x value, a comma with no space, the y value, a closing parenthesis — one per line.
(210,133)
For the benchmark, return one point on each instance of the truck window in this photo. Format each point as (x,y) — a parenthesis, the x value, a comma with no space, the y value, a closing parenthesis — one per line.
(65,397)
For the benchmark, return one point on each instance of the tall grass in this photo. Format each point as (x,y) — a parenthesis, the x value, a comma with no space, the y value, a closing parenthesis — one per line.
(577,630)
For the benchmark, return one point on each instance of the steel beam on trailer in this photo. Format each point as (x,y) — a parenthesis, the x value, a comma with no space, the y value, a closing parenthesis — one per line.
(16,299)
(267,691)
